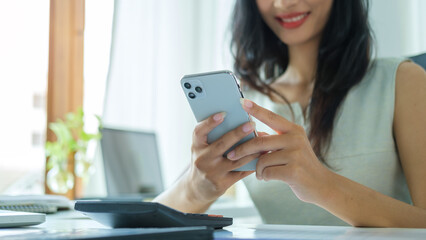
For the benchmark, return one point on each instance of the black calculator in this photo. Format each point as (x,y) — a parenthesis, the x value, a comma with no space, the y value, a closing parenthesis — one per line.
(136,214)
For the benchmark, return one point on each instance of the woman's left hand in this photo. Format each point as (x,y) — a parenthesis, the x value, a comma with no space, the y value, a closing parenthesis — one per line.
(289,156)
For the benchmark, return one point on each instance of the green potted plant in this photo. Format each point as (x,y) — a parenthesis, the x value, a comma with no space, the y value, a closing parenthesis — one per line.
(71,144)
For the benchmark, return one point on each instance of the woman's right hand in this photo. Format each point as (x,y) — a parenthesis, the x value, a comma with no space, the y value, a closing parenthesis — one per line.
(210,174)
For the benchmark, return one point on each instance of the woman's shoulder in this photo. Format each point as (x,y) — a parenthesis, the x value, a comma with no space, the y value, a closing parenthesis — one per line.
(410,86)
(382,72)
(410,71)
(389,61)
(385,65)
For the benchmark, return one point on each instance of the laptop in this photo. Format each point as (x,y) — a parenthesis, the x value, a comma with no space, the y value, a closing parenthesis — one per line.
(132,163)
(20,219)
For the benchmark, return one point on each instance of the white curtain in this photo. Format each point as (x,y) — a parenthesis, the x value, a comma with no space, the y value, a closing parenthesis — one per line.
(154,43)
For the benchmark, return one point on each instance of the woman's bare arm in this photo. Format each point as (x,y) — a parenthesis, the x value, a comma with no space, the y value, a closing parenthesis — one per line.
(290,158)
(361,206)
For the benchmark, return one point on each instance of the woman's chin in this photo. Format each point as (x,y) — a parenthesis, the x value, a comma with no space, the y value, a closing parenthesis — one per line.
(297,39)
(292,41)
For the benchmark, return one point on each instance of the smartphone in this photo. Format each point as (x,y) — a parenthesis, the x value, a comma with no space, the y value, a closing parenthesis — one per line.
(214,92)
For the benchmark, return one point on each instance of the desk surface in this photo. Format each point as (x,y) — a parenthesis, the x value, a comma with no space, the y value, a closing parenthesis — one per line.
(70,220)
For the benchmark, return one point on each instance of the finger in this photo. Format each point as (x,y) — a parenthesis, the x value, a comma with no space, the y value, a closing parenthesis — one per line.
(261,134)
(273,120)
(276,172)
(263,144)
(272,159)
(236,176)
(204,127)
(232,165)
(224,165)
(230,138)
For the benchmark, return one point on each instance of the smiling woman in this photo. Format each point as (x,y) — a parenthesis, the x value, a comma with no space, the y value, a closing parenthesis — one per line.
(325,42)
(347,108)
(347,156)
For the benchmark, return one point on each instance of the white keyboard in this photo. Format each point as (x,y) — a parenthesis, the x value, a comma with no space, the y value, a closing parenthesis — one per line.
(19,219)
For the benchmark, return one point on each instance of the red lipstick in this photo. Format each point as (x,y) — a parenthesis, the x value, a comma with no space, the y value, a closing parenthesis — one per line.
(292,20)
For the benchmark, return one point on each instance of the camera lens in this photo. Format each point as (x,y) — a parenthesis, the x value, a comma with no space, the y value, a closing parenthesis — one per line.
(191,95)
(198,89)
(187,85)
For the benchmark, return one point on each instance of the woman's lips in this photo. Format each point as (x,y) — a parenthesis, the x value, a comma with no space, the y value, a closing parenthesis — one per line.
(292,20)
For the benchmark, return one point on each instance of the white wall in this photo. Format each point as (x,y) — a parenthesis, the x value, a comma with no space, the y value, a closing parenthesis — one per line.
(399,26)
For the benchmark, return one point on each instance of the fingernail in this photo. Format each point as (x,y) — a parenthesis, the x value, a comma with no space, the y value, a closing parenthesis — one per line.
(248,127)
(246,103)
(231,155)
(219,116)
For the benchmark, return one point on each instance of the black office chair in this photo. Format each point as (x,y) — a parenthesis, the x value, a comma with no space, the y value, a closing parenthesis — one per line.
(420,59)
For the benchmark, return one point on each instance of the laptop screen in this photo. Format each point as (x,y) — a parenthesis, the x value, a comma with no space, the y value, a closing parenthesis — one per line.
(131,162)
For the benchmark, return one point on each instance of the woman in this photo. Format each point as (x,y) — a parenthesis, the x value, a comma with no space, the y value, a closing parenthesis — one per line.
(348,145)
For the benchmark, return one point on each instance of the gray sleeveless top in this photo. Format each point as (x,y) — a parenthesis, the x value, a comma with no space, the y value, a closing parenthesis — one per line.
(362,149)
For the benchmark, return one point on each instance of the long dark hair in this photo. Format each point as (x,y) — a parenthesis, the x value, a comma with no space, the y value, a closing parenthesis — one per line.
(342,61)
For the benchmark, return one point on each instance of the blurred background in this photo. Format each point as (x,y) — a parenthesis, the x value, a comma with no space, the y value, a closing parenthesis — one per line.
(135,52)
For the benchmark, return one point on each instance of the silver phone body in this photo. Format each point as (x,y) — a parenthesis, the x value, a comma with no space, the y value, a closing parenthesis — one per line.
(220,93)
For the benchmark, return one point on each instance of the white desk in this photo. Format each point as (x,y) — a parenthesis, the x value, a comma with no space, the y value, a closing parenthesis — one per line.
(317,232)
(70,220)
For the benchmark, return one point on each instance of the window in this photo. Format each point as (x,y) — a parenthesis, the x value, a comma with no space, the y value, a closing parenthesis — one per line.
(23,79)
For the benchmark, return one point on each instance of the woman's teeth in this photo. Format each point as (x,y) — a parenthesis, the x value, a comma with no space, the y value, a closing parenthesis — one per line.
(294,19)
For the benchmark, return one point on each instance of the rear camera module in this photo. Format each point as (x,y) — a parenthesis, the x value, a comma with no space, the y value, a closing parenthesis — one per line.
(191,95)
(198,89)
(187,85)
